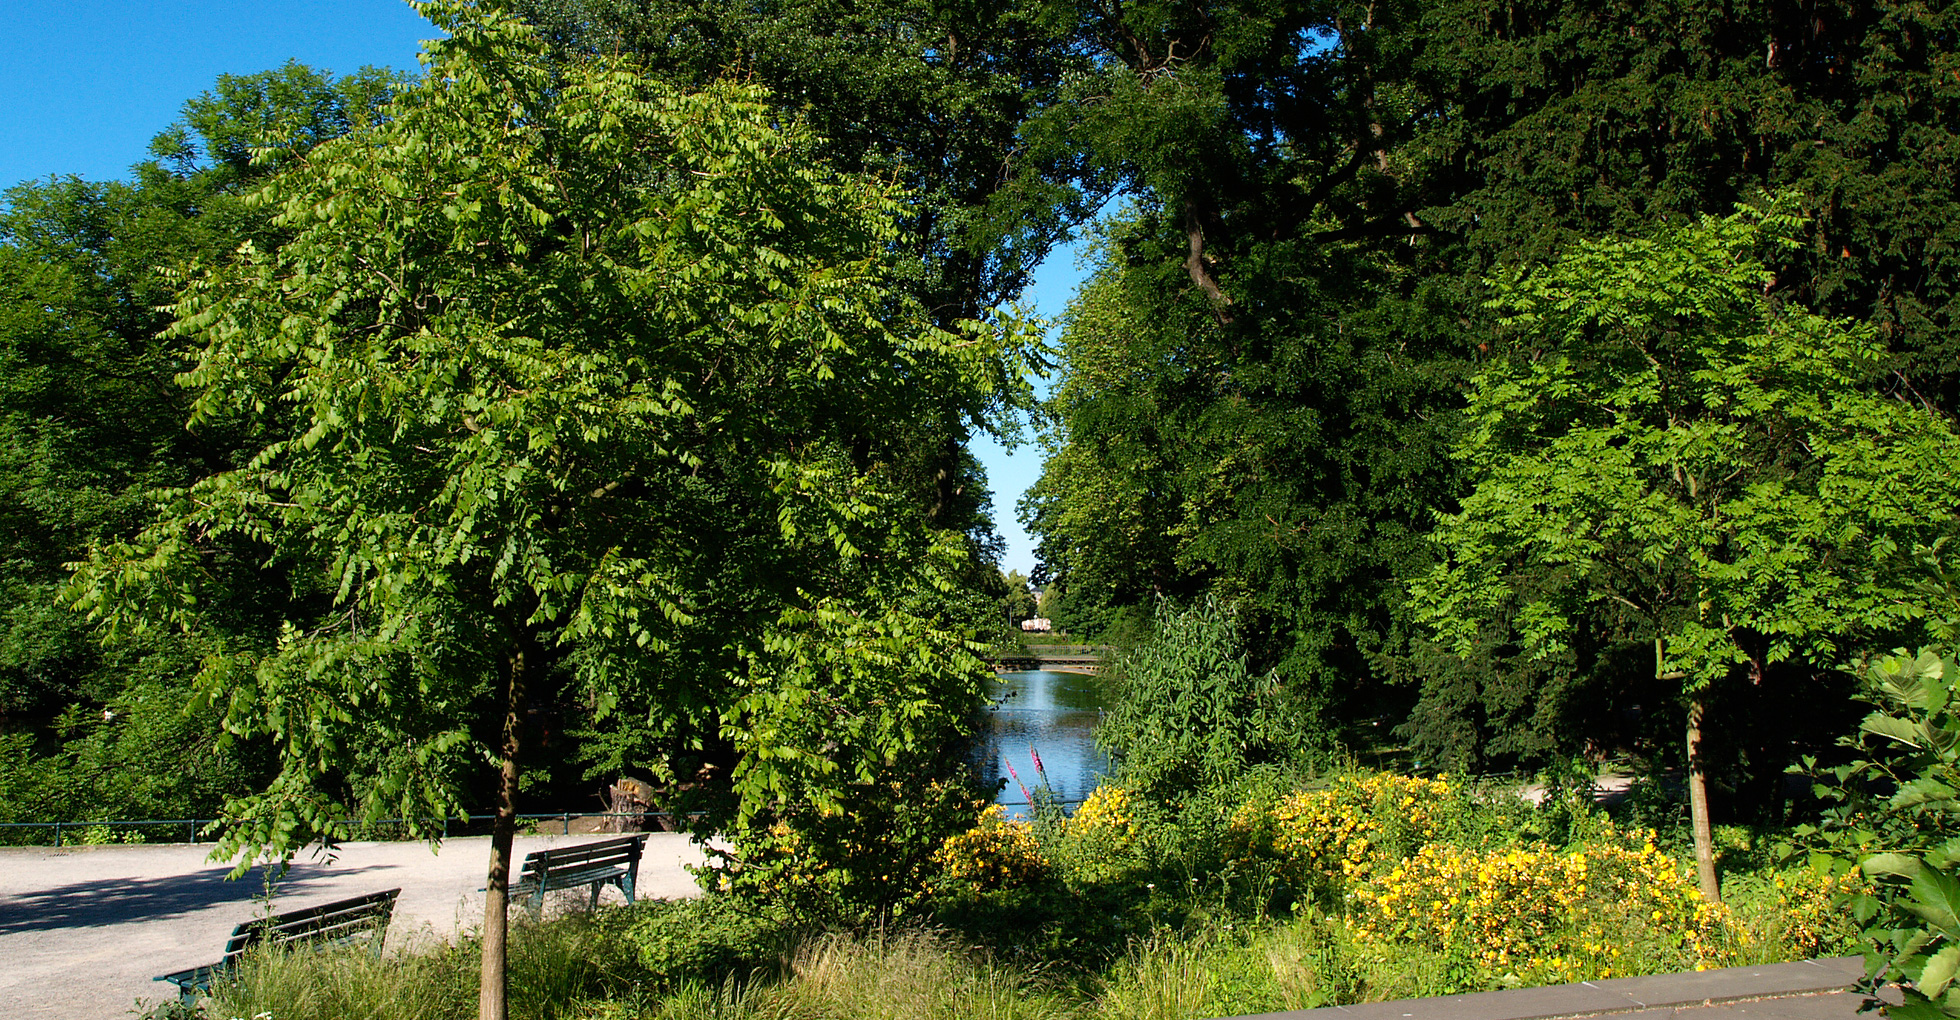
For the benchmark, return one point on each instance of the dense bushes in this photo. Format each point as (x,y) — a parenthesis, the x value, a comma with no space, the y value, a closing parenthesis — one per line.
(1361,886)
(1320,839)
(1190,715)
(711,940)
(1493,891)
(1539,915)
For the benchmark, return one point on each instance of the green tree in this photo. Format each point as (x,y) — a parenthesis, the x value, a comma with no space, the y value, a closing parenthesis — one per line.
(1564,121)
(91,424)
(560,370)
(1049,604)
(939,96)
(1269,363)
(1019,603)
(1285,462)
(942,98)
(1665,452)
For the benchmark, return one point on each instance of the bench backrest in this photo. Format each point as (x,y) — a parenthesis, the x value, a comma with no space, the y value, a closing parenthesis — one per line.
(602,853)
(340,921)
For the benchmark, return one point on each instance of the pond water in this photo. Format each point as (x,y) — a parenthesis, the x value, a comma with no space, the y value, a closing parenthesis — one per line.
(1052,715)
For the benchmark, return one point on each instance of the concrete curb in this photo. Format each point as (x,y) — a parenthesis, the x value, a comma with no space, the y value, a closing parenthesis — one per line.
(1615,995)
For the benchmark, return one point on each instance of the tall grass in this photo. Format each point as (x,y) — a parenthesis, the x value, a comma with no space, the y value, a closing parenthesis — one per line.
(577,969)
(906,976)
(296,984)
(554,966)
(582,967)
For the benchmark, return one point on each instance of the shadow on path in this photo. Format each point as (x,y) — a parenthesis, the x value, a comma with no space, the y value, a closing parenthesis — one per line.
(122,899)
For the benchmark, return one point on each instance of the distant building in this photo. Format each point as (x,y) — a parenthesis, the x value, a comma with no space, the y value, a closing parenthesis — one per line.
(1038,623)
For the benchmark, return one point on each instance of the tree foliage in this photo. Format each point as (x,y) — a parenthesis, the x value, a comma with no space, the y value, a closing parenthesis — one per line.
(1676,445)
(1261,383)
(939,97)
(1666,454)
(91,423)
(573,385)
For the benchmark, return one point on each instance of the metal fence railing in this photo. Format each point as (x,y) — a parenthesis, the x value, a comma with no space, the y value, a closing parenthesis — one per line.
(101,832)
(108,831)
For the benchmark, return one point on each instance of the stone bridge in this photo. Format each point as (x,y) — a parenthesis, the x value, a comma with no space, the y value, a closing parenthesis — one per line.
(1051,658)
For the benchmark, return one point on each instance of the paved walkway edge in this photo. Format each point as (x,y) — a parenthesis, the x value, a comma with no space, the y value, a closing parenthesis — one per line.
(1615,995)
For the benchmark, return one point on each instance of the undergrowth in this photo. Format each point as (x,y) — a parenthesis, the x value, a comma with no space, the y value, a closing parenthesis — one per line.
(1272,896)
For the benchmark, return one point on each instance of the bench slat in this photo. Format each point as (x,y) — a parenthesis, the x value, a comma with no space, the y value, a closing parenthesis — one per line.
(335,921)
(600,853)
(328,924)
(556,880)
(625,853)
(602,862)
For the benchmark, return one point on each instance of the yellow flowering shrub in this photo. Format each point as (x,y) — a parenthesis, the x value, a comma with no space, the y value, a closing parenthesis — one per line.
(1801,910)
(1102,841)
(995,854)
(1109,816)
(1544,915)
(1354,827)
(870,854)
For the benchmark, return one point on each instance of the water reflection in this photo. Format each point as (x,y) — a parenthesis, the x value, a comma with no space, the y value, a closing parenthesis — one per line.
(1053,715)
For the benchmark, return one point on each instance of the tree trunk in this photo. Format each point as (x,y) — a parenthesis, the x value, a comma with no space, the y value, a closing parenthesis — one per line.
(493,992)
(1711,889)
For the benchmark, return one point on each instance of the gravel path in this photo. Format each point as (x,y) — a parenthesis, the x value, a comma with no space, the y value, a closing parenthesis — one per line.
(84,929)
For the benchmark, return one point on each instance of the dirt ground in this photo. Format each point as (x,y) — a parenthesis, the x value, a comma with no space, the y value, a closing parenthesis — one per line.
(84,929)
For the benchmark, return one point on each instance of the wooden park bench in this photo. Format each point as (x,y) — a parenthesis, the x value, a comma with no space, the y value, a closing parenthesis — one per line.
(599,863)
(343,922)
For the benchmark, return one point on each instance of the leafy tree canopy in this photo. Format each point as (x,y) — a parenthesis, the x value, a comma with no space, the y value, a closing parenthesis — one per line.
(1665,452)
(566,377)
(90,421)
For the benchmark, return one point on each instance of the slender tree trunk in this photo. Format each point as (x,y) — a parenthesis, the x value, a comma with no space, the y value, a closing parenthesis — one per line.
(1711,889)
(493,993)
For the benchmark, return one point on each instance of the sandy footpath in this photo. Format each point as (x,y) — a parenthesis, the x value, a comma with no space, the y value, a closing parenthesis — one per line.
(84,929)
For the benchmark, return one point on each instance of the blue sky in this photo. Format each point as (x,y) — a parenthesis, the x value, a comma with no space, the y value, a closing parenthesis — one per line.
(1010,474)
(84,84)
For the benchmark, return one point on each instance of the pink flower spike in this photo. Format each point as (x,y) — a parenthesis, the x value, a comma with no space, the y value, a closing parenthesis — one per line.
(1025,795)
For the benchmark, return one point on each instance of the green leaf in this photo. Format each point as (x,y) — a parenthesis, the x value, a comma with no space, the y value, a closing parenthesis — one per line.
(1891,865)
(1938,972)
(1936,899)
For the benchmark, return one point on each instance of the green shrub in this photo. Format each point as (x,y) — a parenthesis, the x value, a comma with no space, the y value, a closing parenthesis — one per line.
(1102,843)
(1907,842)
(1321,840)
(1190,715)
(997,853)
(869,856)
(711,939)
